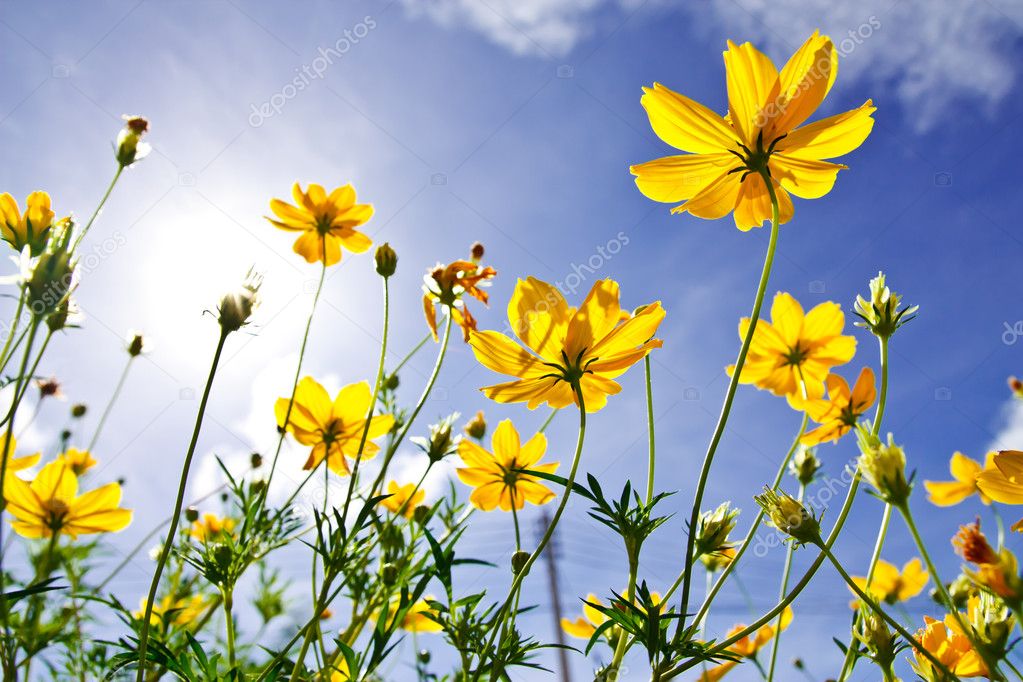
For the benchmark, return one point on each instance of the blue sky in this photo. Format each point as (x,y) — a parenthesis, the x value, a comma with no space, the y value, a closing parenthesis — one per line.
(514,123)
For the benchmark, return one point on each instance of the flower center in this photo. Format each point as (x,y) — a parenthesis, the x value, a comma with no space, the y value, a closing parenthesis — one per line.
(795,356)
(755,160)
(570,371)
(56,510)
(333,431)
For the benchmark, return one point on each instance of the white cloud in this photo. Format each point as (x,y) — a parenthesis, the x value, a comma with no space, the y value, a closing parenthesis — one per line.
(927,54)
(1010,436)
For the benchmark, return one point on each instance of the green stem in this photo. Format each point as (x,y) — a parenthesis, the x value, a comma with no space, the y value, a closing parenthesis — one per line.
(726,408)
(229,618)
(419,405)
(849,663)
(294,385)
(372,402)
(781,595)
(15,322)
(99,207)
(727,570)
(967,629)
(651,457)
(110,404)
(894,624)
(548,533)
(547,422)
(623,641)
(412,352)
(172,532)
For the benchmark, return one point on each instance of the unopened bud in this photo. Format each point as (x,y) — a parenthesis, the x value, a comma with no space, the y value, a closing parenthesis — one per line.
(424,656)
(421,513)
(237,307)
(804,466)
(386,260)
(391,382)
(136,345)
(191,514)
(78,410)
(389,574)
(256,460)
(519,561)
(788,515)
(476,252)
(477,426)
(130,147)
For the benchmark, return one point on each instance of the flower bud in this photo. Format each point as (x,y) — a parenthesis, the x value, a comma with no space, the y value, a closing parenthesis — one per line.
(1016,386)
(237,307)
(386,260)
(256,460)
(718,560)
(130,147)
(78,410)
(389,574)
(476,252)
(884,466)
(191,514)
(391,382)
(960,590)
(873,632)
(51,281)
(421,513)
(881,314)
(423,656)
(518,561)
(992,620)
(713,529)
(441,442)
(477,426)
(223,555)
(137,344)
(788,515)
(326,614)
(805,465)
(58,319)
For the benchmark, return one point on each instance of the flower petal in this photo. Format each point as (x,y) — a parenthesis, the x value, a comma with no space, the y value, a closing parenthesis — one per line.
(677,178)
(830,137)
(686,124)
(752,85)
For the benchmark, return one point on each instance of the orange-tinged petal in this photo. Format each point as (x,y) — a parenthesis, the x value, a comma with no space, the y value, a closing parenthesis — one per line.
(686,124)
(999,488)
(948,493)
(577,628)
(963,468)
(1010,463)
(353,240)
(631,334)
(714,201)
(805,81)
(595,318)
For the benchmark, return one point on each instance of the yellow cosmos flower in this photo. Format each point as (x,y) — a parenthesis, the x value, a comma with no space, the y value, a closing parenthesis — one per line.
(30,228)
(80,461)
(965,471)
(171,611)
(403,498)
(584,626)
(327,222)
(18,463)
(891,585)
(590,345)
(51,504)
(747,647)
(444,285)
(1003,482)
(795,347)
(839,413)
(417,619)
(727,155)
(947,643)
(211,527)
(495,476)
(333,429)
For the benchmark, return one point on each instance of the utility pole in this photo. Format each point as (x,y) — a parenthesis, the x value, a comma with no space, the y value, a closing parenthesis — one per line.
(551,553)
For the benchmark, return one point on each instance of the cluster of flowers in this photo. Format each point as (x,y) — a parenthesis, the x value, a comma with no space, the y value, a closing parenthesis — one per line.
(381,548)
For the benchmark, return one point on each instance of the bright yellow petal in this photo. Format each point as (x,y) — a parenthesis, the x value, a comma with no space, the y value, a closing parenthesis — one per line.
(752,85)
(686,124)
(805,81)
(714,201)
(999,488)
(539,316)
(352,402)
(677,178)
(505,442)
(963,468)
(496,351)
(806,178)
(830,137)
(595,318)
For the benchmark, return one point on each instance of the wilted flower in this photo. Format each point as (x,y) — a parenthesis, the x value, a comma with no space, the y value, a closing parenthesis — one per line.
(130,147)
(1016,386)
(29,229)
(996,571)
(445,285)
(788,515)
(237,307)
(884,466)
(881,314)
(49,388)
